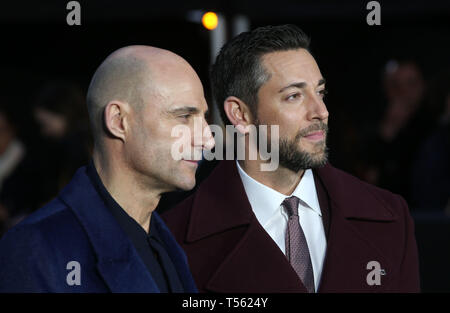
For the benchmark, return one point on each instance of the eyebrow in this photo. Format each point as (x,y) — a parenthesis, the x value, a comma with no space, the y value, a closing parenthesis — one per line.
(301,85)
(187,110)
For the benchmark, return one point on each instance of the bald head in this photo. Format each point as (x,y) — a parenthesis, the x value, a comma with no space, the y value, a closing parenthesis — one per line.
(137,98)
(127,75)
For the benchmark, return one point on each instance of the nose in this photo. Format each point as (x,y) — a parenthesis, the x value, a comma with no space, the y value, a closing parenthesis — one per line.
(207,139)
(317,109)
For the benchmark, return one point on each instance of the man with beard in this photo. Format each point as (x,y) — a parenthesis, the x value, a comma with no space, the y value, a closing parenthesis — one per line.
(306,226)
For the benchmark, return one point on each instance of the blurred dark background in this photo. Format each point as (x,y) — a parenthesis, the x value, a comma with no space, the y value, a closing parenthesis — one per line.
(389,93)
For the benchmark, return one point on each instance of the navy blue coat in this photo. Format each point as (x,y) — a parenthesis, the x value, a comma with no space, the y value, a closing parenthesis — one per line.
(77,226)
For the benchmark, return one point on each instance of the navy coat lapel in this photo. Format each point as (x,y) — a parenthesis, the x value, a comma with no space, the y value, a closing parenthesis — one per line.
(118,262)
(177,256)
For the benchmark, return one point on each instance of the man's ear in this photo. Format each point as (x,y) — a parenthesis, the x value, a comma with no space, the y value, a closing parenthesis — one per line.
(115,119)
(238,113)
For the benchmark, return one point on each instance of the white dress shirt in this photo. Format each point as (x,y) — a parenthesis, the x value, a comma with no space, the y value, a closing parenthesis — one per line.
(266,204)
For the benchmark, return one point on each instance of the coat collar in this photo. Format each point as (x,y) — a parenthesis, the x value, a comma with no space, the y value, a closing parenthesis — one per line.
(221,203)
(118,261)
(349,251)
(342,188)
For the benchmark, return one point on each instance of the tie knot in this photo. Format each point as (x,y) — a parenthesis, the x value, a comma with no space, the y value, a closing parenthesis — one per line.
(291,205)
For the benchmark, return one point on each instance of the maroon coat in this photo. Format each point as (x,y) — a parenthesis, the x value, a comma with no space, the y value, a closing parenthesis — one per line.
(229,251)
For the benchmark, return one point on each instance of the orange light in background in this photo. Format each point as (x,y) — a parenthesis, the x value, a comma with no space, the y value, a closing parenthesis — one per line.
(210,20)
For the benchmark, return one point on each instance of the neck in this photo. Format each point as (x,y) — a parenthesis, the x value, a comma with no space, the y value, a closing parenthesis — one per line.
(127,187)
(282,179)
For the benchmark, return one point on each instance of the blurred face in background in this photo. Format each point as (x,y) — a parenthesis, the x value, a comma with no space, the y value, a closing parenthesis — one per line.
(6,133)
(52,125)
(404,85)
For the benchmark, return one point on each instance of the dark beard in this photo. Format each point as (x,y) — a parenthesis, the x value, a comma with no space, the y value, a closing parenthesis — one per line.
(294,158)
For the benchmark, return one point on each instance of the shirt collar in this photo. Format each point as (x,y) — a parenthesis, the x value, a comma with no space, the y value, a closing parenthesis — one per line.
(306,192)
(266,201)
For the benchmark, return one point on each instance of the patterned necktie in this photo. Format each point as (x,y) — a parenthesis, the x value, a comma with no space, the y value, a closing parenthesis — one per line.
(297,251)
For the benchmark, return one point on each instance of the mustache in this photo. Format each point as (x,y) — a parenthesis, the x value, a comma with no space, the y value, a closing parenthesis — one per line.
(312,128)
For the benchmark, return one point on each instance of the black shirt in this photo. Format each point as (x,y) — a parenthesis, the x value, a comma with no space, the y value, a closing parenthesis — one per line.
(150,247)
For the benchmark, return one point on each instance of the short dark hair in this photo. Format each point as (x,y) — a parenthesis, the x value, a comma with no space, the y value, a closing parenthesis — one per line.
(238,71)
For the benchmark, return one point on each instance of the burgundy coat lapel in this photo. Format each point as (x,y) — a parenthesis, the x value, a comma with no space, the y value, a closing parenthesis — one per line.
(352,208)
(361,226)
(255,263)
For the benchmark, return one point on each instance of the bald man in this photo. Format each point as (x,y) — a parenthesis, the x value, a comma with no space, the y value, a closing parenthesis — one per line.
(101,233)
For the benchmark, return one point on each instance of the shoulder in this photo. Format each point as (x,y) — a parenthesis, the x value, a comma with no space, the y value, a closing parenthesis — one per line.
(349,187)
(52,220)
(34,253)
